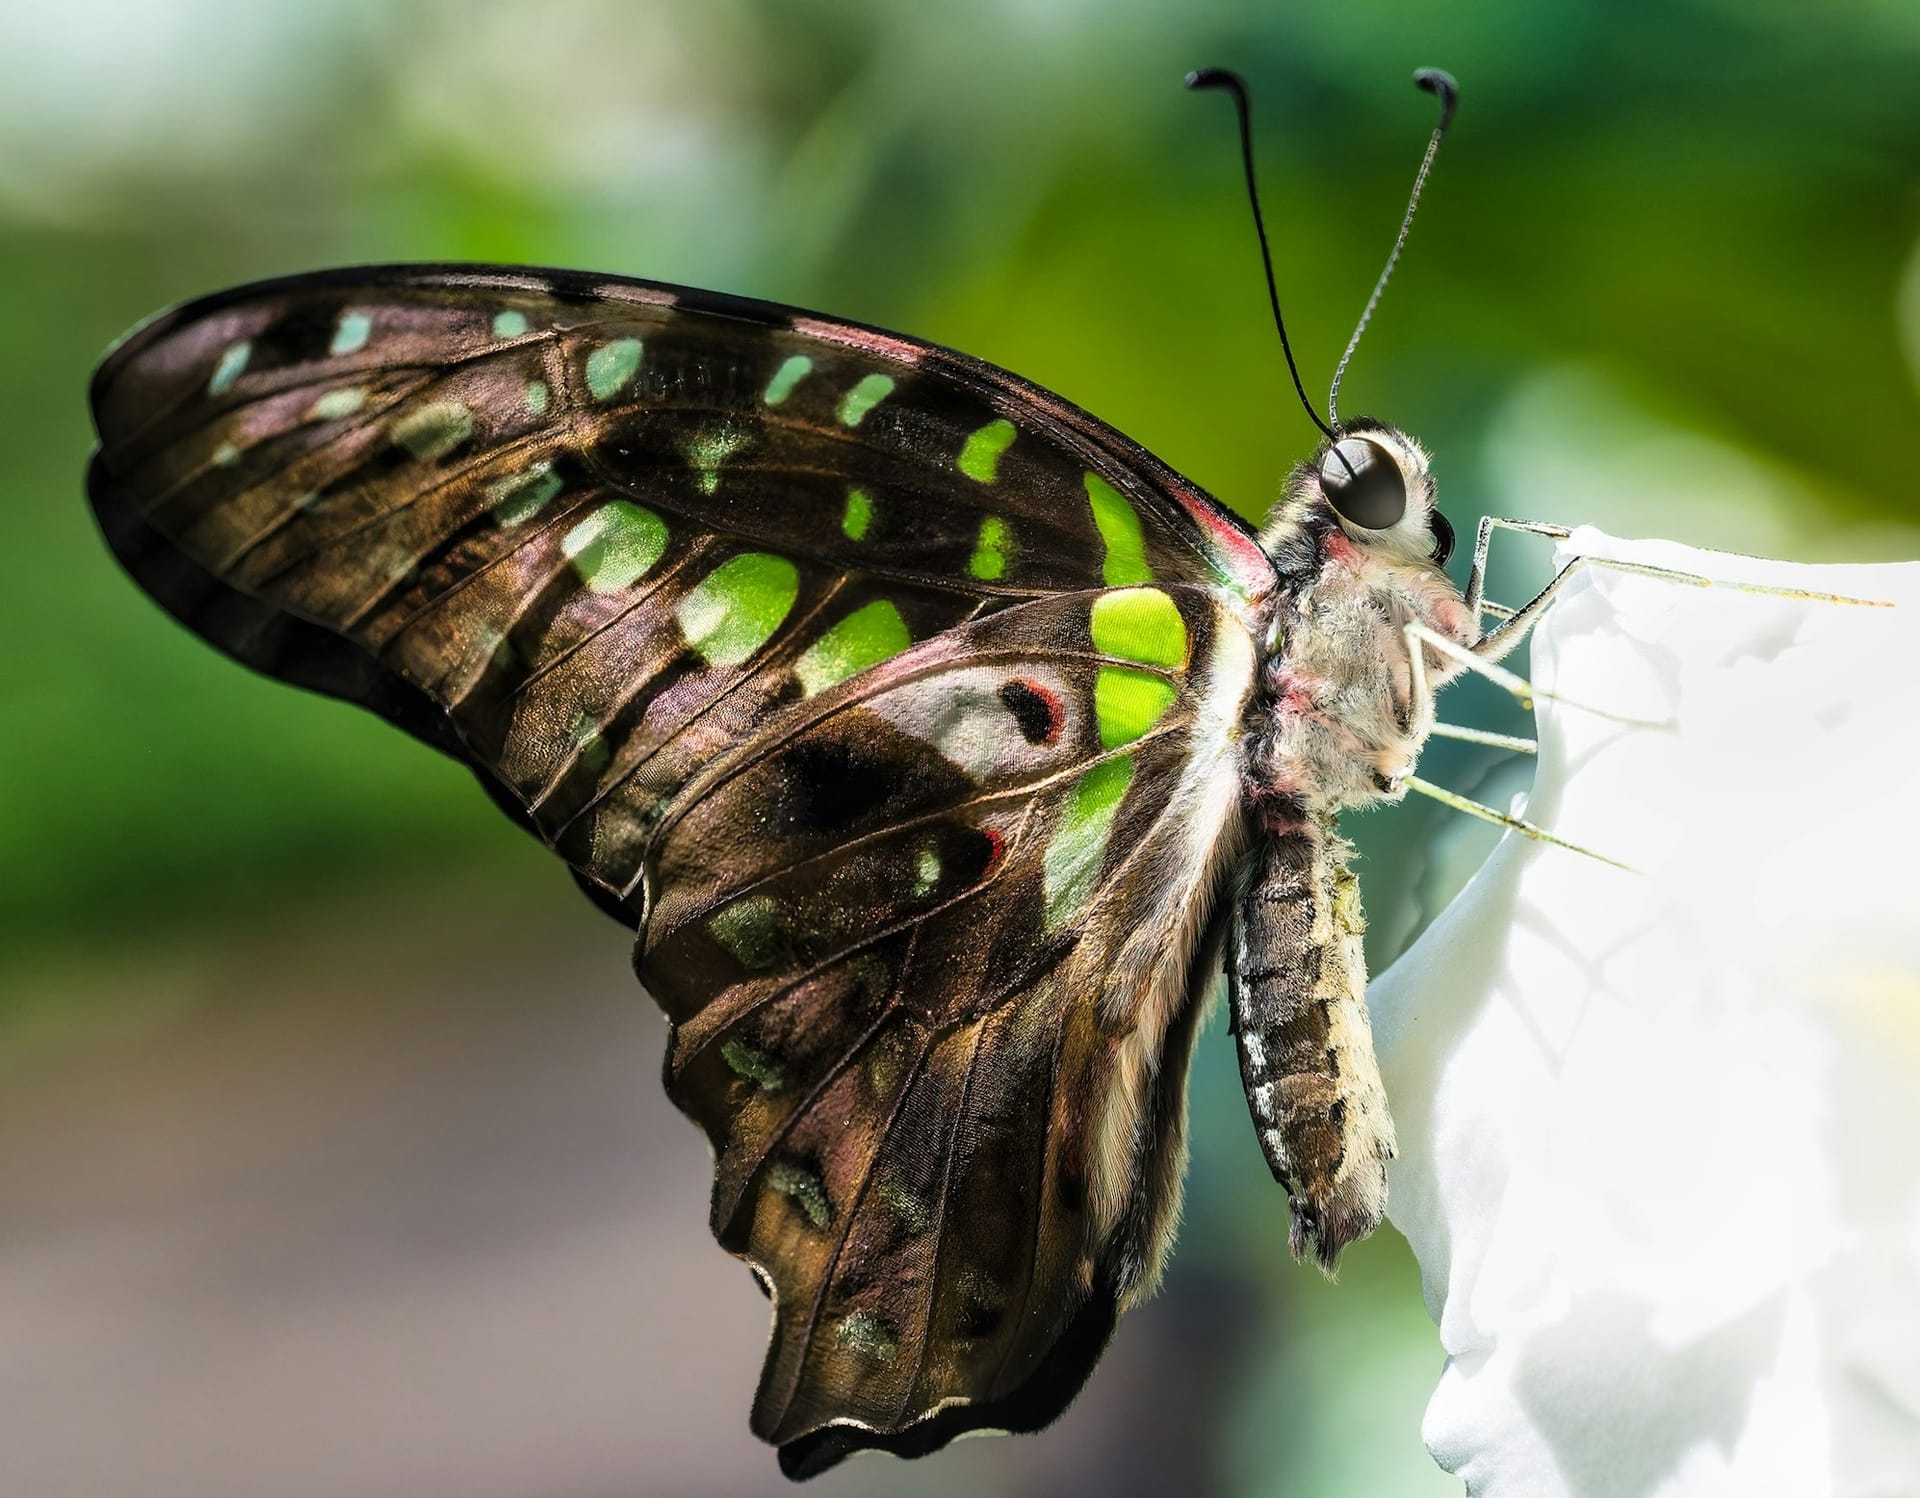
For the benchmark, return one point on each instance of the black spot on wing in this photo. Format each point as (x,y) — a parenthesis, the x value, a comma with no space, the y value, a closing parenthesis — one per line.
(831,786)
(977,850)
(1034,710)
(302,334)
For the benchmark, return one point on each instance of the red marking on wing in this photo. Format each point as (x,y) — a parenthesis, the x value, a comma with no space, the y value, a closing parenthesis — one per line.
(1056,714)
(1237,551)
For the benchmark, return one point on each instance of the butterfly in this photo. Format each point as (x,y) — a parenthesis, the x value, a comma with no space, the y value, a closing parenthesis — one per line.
(938,743)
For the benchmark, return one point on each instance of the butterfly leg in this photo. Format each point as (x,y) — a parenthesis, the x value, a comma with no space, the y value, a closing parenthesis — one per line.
(1515,624)
(1419,636)
(1484,736)
(1297,986)
(1523,691)
(1477,601)
(1501,819)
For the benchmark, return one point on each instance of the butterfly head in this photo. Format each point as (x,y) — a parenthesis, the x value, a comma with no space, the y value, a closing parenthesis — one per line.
(1374,482)
(1369,478)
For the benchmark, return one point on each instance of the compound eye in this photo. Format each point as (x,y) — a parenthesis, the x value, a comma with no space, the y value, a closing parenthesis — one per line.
(1367,488)
(1442,539)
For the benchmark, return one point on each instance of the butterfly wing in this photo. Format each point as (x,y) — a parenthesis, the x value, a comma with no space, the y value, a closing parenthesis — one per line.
(929,954)
(891,698)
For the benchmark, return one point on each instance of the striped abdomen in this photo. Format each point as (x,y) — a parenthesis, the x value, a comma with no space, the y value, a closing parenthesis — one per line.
(1297,982)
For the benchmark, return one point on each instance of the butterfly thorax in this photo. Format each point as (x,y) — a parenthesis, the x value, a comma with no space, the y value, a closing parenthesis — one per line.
(1336,726)
(1332,722)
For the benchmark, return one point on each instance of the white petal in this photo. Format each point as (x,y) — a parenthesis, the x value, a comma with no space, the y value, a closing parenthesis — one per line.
(1660,1133)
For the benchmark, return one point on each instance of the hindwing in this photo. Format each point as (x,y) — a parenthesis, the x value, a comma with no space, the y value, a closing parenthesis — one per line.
(928,957)
(892,699)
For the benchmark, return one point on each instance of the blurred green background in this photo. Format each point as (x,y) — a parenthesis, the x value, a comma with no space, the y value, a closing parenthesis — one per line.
(330,1152)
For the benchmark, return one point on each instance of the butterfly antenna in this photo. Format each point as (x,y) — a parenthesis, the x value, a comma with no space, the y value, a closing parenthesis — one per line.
(1223,78)
(1441,84)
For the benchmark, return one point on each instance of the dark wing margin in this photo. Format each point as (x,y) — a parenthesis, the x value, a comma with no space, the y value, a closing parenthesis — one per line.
(893,700)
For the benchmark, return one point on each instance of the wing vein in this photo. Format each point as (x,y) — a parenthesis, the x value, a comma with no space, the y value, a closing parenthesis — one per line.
(889,1012)
(789,628)
(1027,790)
(940,1216)
(846,1223)
(1040,1218)
(442,481)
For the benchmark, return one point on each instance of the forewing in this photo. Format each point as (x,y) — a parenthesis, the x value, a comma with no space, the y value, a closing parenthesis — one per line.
(587,532)
(928,954)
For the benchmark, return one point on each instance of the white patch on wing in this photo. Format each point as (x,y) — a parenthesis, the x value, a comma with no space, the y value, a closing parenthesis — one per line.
(969,722)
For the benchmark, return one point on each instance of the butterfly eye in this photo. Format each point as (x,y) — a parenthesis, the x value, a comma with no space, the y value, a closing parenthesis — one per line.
(1442,539)
(1364,484)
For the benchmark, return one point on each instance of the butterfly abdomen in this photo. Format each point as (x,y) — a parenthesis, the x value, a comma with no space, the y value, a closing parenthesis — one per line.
(1296,980)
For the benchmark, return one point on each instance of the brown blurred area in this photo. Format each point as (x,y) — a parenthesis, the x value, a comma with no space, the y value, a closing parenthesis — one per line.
(390,1202)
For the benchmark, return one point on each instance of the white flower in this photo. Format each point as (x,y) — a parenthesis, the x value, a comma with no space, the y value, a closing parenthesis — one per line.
(1660,1132)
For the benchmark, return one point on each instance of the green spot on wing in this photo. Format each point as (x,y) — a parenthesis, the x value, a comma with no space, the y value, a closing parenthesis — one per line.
(350,333)
(518,497)
(225,455)
(804,1187)
(589,743)
(615,546)
(535,395)
(735,609)
(989,559)
(509,324)
(709,449)
(1140,624)
(908,1208)
(1079,841)
(868,393)
(865,1333)
(232,362)
(979,460)
(858,515)
(1126,703)
(864,638)
(434,430)
(749,929)
(753,1064)
(338,403)
(1119,525)
(611,367)
(786,377)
